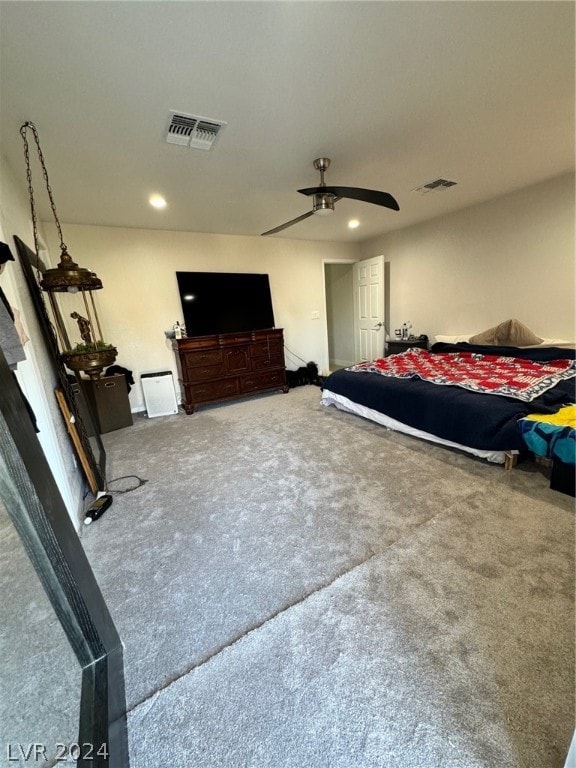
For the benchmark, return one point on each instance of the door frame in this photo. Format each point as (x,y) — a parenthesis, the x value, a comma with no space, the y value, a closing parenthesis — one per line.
(326,364)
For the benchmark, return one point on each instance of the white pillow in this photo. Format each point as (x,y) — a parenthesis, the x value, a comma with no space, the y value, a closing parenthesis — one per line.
(555,343)
(453,339)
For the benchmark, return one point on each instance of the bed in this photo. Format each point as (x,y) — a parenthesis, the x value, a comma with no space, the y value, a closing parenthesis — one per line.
(481,423)
(553,437)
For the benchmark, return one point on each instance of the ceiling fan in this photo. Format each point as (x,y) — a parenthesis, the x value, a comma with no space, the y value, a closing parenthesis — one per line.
(325,197)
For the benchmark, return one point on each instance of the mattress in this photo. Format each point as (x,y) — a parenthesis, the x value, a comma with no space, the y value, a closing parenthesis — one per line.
(468,420)
(344,404)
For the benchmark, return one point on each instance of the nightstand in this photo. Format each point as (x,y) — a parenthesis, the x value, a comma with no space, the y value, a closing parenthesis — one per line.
(394,347)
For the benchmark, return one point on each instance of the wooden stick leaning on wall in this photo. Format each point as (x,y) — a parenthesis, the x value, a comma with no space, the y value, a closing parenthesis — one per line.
(73,432)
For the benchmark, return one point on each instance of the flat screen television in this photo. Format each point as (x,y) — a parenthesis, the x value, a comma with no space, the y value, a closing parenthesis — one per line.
(225,302)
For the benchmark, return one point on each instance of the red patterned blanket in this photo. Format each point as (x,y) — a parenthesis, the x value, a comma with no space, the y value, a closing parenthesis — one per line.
(488,374)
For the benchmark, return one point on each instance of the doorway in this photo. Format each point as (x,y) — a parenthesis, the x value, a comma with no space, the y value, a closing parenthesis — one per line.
(339,293)
(347,343)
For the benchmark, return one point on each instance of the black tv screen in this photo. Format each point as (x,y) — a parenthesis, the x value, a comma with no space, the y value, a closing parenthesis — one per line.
(224,302)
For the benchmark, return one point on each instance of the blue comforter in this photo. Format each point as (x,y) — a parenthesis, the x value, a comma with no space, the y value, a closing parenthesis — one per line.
(485,422)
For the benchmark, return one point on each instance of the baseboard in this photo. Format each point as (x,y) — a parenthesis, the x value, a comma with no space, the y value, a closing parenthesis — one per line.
(341,364)
(142,408)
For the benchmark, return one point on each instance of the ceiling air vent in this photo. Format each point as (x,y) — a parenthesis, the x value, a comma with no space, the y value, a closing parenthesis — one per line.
(193,131)
(435,186)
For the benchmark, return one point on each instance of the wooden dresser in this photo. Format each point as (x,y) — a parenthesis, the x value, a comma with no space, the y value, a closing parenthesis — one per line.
(229,365)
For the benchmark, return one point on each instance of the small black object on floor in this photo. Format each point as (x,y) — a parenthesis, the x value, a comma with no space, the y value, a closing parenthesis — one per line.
(306,374)
(563,477)
(97,508)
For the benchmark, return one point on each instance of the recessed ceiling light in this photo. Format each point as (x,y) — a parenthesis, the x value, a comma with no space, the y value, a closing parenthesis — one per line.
(157,201)
(353,224)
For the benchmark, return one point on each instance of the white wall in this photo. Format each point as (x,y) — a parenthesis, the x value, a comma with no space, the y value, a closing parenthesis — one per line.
(140,299)
(511,257)
(35,373)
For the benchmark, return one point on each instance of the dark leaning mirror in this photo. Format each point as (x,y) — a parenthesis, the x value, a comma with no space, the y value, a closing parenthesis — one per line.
(32,501)
(40,679)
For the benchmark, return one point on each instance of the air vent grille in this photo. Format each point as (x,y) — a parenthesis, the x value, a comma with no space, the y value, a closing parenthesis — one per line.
(435,186)
(193,131)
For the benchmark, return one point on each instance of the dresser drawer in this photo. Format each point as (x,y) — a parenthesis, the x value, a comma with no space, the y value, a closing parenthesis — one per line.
(262,363)
(212,390)
(265,380)
(203,372)
(202,357)
(266,348)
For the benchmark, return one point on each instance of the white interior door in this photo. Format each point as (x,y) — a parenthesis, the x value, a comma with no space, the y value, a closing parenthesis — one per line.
(369,334)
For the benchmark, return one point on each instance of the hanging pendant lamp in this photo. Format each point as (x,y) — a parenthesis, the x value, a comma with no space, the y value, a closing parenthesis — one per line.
(91,355)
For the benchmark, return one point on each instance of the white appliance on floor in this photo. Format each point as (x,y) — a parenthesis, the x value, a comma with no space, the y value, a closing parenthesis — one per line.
(159,393)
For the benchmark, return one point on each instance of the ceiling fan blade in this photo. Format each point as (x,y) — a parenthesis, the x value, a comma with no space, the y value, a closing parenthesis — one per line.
(288,224)
(356,193)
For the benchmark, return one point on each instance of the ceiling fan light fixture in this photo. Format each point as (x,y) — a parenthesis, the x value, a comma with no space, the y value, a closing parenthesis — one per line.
(324,198)
(323,205)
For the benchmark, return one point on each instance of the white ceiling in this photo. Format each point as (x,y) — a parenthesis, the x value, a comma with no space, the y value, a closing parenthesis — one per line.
(395,93)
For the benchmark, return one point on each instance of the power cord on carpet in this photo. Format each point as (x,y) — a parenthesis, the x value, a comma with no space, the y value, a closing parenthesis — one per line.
(140,480)
(293,354)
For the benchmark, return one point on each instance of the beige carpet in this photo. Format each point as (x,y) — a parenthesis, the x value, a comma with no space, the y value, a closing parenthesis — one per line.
(297,587)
